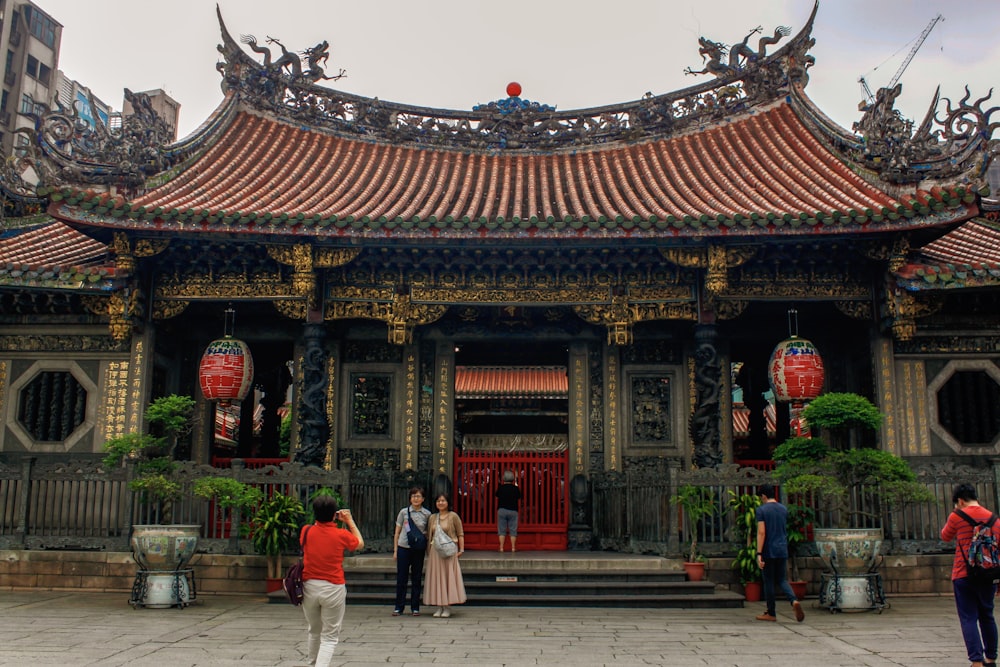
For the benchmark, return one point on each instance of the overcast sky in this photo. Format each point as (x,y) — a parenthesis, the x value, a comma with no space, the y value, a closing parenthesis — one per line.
(566,53)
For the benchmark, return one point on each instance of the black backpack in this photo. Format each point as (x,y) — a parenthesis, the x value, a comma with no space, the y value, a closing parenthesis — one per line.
(983,558)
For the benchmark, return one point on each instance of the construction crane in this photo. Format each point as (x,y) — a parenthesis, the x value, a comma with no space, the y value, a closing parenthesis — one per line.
(869,96)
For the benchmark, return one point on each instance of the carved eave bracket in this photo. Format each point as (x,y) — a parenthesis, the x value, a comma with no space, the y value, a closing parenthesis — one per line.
(715,259)
(387,305)
(305,260)
(121,308)
(622,314)
(903,309)
(126,253)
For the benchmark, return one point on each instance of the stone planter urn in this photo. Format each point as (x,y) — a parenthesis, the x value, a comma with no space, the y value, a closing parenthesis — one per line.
(852,555)
(849,550)
(163,552)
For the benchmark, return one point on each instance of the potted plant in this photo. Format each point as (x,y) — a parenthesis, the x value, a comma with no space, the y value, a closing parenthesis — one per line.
(274,528)
(697,503)
(229,498)
(744,507)
(161,548)
(854,486)
(799,525)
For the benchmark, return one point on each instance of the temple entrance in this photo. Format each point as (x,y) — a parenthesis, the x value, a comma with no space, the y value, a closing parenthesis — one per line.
(511,413)
(543,519)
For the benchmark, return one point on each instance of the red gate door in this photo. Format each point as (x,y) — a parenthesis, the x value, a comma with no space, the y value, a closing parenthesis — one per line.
(543,517)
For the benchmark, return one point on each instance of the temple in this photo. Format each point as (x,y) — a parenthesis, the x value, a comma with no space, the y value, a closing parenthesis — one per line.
(568,293)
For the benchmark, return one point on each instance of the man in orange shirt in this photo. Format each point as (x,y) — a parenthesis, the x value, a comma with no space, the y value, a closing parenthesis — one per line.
(974,601)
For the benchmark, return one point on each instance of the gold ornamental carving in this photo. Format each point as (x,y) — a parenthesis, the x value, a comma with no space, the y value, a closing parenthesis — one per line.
(509,296)
(727,309)
(331,258)
(150,247)
(858,310)
(304,260)
(396,310)
(164,310)
(121,247)
(98,305)
(300,258)
(121,309)
(294,310)
(904,309)
(688,258)
(227,286)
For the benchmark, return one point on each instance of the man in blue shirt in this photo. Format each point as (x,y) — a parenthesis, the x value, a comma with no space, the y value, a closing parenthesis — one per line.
(772,553)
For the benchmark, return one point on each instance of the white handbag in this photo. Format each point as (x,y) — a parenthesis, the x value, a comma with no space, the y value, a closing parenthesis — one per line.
(443,544)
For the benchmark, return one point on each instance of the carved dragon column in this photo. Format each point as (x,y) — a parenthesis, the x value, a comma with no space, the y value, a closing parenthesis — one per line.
(314,432)
(705,436)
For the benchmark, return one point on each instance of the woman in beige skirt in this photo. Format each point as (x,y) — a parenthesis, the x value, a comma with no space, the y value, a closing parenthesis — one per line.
(444,585)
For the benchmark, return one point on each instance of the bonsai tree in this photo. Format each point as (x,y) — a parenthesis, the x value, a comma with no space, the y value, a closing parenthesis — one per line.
(274,529)
(744,507)
(697,502)
(169,418)
(839,412)
(807,466)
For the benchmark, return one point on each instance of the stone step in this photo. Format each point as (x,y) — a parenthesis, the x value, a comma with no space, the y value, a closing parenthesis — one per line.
(561,579)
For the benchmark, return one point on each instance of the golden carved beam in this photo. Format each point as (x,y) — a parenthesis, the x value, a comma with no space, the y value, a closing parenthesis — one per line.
(228,286)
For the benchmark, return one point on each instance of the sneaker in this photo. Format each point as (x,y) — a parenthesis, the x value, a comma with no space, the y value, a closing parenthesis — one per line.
(799,613)
(397,612)
(446,613)
(766,617)
(416,612)
(438,613)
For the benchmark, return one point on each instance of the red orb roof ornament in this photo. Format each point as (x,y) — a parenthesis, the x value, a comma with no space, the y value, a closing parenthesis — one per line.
(796,371)
(226,370)
(513,89)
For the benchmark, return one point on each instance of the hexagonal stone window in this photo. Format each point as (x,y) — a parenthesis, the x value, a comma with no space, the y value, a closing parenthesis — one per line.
(52,406)
(969,407)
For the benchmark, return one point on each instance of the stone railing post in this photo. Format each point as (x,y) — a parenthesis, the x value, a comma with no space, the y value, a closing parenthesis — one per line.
(130,496)
(27,463)
(238,466)
(673,538)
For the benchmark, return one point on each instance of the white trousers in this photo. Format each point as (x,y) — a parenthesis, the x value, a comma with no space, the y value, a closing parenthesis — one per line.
(323,604)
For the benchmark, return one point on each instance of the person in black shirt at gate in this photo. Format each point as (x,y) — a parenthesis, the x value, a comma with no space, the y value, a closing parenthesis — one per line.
(508,497)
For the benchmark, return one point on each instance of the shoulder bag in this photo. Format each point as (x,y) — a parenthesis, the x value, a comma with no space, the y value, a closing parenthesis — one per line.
(414,537)
(292,583)
(443,544)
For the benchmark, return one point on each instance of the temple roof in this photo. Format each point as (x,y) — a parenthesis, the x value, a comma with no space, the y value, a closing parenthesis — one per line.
(968,256)
(511,382)
(763,173)
(56,256)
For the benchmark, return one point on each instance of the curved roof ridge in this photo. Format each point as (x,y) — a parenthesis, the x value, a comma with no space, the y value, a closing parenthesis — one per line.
(748,80)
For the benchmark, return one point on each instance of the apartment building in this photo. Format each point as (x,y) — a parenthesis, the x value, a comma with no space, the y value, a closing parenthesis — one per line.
(29,42)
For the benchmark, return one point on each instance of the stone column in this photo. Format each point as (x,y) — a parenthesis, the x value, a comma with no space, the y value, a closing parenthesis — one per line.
(706,446)
(315,431)
(444,408)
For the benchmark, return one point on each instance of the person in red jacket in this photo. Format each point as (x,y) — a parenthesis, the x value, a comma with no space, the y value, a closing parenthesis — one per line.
(974,601)
(324,587)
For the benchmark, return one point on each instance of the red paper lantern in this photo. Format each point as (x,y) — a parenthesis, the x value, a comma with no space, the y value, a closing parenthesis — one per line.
(513,89)
(226,370)
(796,371)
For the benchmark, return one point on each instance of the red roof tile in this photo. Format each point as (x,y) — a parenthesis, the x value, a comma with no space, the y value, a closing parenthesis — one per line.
(511,382)
(53,245)
(55,256)
(764,170)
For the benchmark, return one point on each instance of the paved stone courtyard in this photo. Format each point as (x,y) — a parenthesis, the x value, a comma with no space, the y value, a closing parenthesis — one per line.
(71,628)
